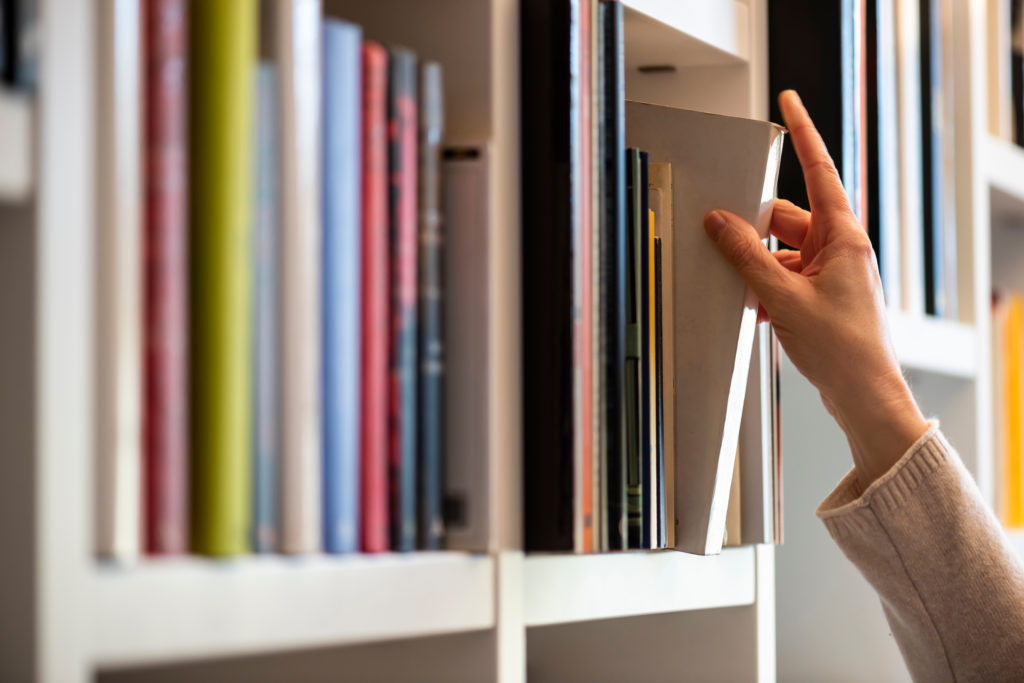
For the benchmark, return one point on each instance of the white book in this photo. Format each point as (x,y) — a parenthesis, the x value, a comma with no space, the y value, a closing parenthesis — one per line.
(758,444)
(299,59)
(908,58)
(888,155)
(469,379)
(718,162)
(119,283)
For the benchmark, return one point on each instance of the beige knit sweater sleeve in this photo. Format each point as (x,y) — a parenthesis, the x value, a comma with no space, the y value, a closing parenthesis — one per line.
(951,587)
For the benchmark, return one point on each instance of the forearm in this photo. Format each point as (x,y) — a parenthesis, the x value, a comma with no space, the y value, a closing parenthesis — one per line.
(952,590)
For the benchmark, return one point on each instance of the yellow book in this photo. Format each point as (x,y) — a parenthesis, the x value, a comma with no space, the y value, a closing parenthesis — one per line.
(1013,355)
(222,53)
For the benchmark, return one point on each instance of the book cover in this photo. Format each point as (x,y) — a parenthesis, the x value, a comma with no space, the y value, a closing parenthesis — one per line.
(165,296)
(119,222)
(469,382)
(341,256)
(376,303)
(299,53)
(757,445)
(266,433)
(402,167)
(728,163)
(220,131)
(611,272)
(431,309)
(549,37)
(660,201)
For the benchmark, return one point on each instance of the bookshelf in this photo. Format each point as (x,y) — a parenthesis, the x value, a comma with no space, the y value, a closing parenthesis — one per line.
(497,613)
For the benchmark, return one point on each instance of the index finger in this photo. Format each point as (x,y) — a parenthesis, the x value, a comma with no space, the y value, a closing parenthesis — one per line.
(824,187)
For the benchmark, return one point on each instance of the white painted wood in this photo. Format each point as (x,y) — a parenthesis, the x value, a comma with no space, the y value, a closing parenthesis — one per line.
(926,343)
(183,609)
(16,146)
(685,32)
(564,588)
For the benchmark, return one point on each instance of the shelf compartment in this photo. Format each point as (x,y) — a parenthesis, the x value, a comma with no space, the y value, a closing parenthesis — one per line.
(562,589)
(1004,167)
(945,347)
(16,146)
(163,611)
(685,33)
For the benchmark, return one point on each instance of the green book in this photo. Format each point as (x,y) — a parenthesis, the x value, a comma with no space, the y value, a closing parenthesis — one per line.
(223,58)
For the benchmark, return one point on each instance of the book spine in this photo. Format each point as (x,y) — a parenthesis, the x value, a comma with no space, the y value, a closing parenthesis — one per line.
(931,153)
(889,225)
(119,227)
(19,43)
(431,308)
(547,213)
(402,163)
(165,331)
(342,83)
(298,26)
(662,535)
(635,337)
(220,125)
(266,359)
(612,269)
(597,393)
(376,302)
(650,384)
(948,284)
(1017,68)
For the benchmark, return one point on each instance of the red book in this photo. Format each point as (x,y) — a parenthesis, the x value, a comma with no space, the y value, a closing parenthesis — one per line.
(376,292)
(165,316)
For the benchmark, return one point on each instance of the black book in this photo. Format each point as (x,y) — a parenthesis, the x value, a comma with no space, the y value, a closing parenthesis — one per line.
(811,49)
(547,30)
(634,348)
(873,220)
(19,43)
(931,150)
(612,269)
(431,308)
(1017,68)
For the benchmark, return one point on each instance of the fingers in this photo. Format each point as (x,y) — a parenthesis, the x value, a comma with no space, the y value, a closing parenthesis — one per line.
(790,223)
(824,187)
(741,246)
(789,259)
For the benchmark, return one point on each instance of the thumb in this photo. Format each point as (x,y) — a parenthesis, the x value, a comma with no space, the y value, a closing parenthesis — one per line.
(741,246)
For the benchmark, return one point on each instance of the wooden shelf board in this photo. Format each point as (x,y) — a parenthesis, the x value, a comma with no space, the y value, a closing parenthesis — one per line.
(570,588)
(945,347)
(180,609)
(1004,166)
(685,33)
(15,146)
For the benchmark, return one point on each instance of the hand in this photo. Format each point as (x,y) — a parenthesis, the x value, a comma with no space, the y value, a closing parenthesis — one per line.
(825,304)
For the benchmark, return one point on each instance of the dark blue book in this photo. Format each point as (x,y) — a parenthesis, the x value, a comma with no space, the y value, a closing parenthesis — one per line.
(431,308)
(266,363)
(403,238)
(342,249)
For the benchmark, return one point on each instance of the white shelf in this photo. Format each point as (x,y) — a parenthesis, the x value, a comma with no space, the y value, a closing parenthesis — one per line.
(945,347)
(685,32)
(568,588)
(15,146)
(1004,167)
(171,610)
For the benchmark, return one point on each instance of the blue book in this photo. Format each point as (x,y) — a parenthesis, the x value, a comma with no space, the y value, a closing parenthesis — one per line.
(267,219)
(342,249)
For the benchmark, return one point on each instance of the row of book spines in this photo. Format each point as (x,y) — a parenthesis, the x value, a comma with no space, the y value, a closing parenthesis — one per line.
(220,498)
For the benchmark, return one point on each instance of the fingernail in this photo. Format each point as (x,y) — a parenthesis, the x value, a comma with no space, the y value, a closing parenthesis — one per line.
(714,224)
(794,94)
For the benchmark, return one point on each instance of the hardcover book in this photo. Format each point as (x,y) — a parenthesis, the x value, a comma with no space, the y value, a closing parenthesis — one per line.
(376,302)
(299,54)
(119,324)
(165,313)
(266,430)
(431,308)
(718,162)
(402,166)
(220,125)
(342,251)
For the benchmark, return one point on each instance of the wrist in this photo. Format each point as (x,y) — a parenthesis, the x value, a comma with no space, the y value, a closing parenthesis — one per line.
(881,430)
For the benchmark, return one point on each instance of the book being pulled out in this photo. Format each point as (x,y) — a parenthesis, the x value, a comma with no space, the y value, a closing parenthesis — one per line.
(718,162)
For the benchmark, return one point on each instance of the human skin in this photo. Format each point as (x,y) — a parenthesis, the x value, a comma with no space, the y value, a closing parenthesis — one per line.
(825,303)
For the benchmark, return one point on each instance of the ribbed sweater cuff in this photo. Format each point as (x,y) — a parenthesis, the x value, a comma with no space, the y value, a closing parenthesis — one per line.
(848,509)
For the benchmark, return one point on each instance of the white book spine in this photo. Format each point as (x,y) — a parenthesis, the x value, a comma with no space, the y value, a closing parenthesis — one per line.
(889,161)
(908,46)
(1000,97)
(119,315)
(298,36)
